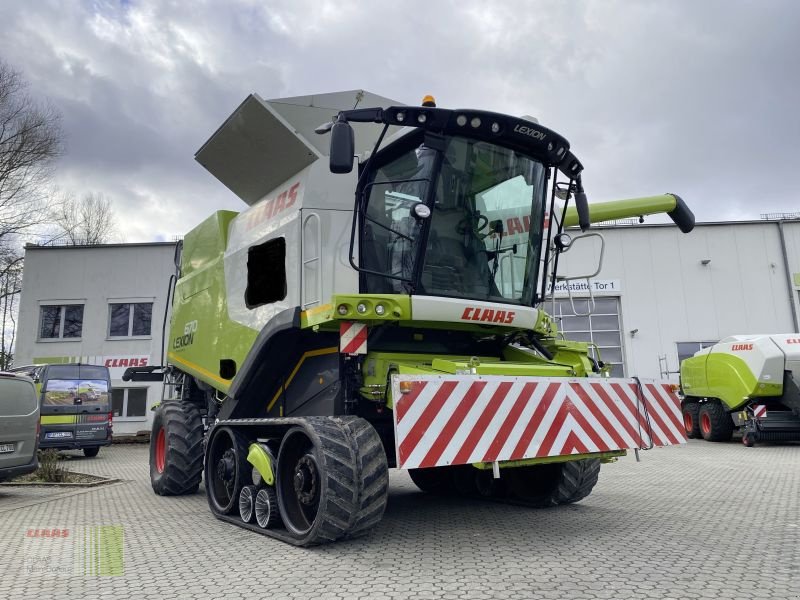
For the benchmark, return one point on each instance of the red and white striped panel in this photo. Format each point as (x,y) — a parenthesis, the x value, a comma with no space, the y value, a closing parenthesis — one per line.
(352,338)
(760,411)
(463,419)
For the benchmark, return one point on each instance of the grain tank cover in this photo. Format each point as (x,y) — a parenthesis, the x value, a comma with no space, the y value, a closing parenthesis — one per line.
(264,142)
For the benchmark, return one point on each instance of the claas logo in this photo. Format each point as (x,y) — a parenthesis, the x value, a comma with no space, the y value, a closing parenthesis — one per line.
(488,315)
(741,347)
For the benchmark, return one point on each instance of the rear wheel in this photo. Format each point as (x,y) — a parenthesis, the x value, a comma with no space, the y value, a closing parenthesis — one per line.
(90,452)
(552,484)
(691,419)
(716,424)
(176,449)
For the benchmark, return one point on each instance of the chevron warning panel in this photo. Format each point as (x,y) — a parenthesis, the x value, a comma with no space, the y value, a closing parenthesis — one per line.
(463,419)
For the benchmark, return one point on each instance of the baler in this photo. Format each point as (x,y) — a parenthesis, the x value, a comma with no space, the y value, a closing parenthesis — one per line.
(353,320)
(746,382)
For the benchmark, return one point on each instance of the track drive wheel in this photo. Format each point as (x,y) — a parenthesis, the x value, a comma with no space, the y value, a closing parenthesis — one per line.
(716,424)
(332,479)
(176,449)
(227,470)
(691,419)
(542,486)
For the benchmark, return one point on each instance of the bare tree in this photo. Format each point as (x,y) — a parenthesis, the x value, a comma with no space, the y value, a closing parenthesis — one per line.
(30,142)
(88,220)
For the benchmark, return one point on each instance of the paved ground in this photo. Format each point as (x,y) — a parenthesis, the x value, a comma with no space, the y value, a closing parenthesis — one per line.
(699,521)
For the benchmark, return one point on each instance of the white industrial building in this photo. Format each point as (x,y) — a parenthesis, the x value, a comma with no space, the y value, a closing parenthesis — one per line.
(99,305)
(661,295)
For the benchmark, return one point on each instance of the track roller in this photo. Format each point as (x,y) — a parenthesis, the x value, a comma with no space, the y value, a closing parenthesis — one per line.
(247,498)
(266,508)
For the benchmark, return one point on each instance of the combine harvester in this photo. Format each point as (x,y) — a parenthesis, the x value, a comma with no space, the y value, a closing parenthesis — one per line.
(389,316)
(743,382)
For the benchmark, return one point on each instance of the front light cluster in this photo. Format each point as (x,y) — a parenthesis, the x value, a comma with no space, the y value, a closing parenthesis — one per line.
(375,309)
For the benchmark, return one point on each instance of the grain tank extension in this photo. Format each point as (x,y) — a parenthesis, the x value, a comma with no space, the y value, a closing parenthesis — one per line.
(357,318)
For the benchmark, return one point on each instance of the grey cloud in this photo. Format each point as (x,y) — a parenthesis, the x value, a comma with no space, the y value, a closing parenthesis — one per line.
(691,97)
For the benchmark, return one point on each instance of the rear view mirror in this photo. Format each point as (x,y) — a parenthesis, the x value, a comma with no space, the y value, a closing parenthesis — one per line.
(342,147)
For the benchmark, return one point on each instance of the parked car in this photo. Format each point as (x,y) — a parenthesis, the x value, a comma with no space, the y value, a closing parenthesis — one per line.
(19,425)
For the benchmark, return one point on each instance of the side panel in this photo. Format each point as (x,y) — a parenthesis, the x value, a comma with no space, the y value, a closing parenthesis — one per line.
(454,420)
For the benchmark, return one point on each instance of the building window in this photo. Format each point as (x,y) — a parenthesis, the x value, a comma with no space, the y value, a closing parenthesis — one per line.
(687,349)
(129,319)
(601,328)
(61,321)
(129,403)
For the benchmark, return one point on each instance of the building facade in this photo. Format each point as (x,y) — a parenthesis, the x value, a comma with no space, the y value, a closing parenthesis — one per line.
(99,305)
(661,296)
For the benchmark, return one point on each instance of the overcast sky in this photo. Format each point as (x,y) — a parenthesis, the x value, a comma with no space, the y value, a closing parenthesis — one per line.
(699,98)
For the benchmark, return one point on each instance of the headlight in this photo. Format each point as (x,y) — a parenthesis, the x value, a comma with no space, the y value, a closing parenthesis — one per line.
(342,309)
(361,308)
(380,310)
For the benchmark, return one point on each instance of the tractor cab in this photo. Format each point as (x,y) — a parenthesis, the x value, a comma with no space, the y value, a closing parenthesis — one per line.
(455,207)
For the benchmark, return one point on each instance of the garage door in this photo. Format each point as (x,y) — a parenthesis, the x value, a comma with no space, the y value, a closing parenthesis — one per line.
(602,327)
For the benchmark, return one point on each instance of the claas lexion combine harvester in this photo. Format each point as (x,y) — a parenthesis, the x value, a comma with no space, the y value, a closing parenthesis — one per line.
(391,315)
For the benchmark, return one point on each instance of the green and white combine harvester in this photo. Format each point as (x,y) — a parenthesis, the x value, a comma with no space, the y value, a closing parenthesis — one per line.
(746,382)
(391,315)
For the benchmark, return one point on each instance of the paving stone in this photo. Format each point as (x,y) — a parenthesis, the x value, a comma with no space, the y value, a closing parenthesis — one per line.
(698,521)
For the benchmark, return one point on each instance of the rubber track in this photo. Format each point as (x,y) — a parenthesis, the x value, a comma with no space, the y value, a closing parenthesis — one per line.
(183,470)
(356,486)
(373,475)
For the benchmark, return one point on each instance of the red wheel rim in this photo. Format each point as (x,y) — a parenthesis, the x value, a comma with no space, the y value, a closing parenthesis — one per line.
(688,423)
(705,423)
(161,450)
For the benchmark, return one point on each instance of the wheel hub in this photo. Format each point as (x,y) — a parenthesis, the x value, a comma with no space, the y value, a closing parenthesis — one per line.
(226,466)
(305,480)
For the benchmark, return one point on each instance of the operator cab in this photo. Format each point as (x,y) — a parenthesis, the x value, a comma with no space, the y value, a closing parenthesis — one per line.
(456,207)
(452,216)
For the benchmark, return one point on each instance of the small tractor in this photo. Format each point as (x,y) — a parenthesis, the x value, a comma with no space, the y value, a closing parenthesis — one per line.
(391,315)
(745,382)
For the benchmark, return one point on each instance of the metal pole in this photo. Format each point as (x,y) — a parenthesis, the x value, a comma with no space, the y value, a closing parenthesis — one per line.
(789,283)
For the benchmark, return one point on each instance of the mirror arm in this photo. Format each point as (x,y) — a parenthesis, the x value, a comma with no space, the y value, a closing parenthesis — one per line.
(582,205)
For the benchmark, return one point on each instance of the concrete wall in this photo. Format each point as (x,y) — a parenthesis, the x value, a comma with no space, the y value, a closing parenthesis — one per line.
(96,276)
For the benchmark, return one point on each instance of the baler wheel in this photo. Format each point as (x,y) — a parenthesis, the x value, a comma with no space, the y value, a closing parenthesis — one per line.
(542,486)
(176,449)
(227,469)
(715,422)
(691,420)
